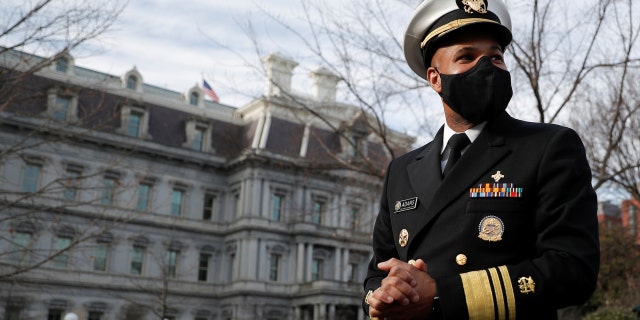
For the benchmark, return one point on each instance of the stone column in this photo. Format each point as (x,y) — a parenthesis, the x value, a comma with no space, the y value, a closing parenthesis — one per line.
(337,264)
(308,262)
(332,311)
(345,259)
(300,263)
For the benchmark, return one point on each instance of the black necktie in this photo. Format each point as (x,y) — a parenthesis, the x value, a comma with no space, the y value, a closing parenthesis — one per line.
(456,143)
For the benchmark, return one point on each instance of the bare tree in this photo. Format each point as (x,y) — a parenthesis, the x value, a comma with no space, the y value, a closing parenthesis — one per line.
(358,44)
(557,47)
(574,63)
(50,28)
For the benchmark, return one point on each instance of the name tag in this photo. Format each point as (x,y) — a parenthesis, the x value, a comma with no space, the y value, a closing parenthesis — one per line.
(405,205)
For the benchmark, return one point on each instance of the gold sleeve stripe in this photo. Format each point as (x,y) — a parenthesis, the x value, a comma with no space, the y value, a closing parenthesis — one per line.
(502,310)
(477,291)
(489,294)
(508,288)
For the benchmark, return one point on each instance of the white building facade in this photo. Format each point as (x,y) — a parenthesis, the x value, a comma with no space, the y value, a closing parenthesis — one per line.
(121,200)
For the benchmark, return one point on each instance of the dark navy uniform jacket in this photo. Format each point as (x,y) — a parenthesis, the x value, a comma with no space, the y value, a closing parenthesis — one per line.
(510,233)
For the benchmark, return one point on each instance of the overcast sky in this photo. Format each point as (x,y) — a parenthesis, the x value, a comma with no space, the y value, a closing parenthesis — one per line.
(173,44)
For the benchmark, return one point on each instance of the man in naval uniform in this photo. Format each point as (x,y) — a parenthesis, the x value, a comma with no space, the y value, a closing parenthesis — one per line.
(496,217)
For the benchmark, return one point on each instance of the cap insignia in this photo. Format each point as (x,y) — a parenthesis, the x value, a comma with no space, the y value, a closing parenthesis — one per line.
(471,6)
(491,229)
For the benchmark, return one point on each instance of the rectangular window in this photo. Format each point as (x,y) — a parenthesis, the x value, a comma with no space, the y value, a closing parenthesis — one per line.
(354,275)
(355,145)
(109,190)
(22,246)
(354,213)
(277,202)
(208,206)
(62,260)
(177,201)
(134,124)
(319,208)
(55,314)
(31,177)
(71,183)
(203,266)
(236,204)
(137,258)
(12,313)
(100,257)
(317,266)
(94,315)
(61,108)
(144,194)
(171,263)
(198,138)
(274,267)
(230,264)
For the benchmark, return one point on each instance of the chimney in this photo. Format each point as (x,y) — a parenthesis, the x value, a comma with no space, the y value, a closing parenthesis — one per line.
(279,72)
(324,85)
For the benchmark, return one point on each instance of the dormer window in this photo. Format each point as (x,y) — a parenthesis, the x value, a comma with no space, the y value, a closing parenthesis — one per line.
(194,98)
(132,82)
(354,134)
(134,122)
(198,136)
(61,109)
(62,65)
(133,129)
(357,146)
(62,105)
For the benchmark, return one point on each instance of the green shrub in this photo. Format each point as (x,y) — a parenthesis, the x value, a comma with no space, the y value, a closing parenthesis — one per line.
(611,314)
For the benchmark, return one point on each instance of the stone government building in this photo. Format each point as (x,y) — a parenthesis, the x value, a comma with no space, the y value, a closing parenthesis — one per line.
(122,200)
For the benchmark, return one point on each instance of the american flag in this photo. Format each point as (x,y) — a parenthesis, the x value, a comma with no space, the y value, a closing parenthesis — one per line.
(209,91)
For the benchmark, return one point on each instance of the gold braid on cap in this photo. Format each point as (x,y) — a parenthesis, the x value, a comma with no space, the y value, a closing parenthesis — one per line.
(455,24)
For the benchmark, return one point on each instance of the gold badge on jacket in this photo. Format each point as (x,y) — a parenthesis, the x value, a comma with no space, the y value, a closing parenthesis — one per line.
(527,285)
(403,238)
(491,229)
(405,205)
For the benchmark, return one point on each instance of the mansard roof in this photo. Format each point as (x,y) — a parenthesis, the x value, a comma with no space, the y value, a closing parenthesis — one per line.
(264,124)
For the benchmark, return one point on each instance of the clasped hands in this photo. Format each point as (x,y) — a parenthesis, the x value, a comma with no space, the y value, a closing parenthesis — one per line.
(406,293)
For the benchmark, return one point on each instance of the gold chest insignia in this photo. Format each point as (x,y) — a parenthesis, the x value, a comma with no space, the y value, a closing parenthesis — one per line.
(526,285)
(471,6)
(497,176)
(491,229)
(403,238)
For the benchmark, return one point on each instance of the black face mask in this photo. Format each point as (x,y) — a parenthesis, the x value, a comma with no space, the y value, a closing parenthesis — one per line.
(479,94)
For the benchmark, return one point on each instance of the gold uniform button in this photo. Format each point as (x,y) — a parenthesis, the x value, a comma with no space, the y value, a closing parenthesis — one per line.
(461,259)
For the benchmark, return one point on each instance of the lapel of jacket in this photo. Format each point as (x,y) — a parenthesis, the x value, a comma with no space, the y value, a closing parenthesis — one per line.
(436,193)
(425,173)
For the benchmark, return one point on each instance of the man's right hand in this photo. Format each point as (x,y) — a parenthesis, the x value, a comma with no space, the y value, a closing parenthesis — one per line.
(406,293)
